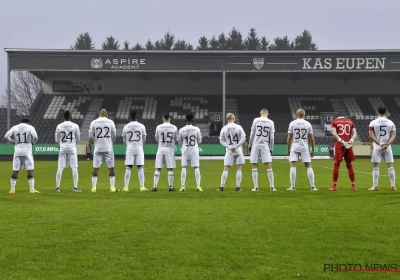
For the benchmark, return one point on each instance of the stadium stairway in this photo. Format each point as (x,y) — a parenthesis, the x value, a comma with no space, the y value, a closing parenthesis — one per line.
(339,107)
(232,107)
(93,111)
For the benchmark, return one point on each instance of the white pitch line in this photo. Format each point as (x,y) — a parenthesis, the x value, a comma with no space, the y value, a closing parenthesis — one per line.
(342,169)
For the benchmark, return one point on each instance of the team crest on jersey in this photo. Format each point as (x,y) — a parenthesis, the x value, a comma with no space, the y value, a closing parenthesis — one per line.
(258,63)
(97,63)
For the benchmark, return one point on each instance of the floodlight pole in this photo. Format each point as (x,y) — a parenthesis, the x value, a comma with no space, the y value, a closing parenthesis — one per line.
(223,97)
(8,92)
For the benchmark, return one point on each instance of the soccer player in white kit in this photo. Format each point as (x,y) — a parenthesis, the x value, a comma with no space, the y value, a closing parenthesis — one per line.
(134,136)
(261,145)
(22,136)
(382,132)
(190,138)
(232,137)
(103,134)
(299,132)
(67,135)
(166,136)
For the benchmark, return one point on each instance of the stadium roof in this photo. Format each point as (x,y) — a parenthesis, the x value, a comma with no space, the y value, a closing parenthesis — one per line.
(96,61)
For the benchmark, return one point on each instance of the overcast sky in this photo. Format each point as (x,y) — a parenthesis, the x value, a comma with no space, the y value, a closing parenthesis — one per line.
(334,24)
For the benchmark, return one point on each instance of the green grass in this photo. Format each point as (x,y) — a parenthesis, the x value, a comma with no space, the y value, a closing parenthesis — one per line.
(192,235)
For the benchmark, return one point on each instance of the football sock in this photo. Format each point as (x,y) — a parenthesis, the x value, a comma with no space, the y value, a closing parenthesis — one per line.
(183,177)
(271,178)
(238,178)
(350,170)
(141,176)
(156,178)
(198,176)
(58,177)
(94,182)
(112,181)
(171,178)
(31,182)
(13,183)
(375,176)
(75,177)
(127,177)
(223,177)
(254,173)
(392,176)
(310,173)
(335,173)
(292,177)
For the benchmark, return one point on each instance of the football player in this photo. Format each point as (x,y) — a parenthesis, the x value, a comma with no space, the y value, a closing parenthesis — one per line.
(382,132)
(232,137)
(134,136)
(22,136)
(67,135)
(300,132)
(102,133)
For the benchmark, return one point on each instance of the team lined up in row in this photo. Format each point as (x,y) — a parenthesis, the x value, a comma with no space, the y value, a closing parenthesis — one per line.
(261,144)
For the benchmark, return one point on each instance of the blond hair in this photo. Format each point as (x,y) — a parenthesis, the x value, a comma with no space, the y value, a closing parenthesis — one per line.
(230,117)
(264,111)
(103,113)
(300,113)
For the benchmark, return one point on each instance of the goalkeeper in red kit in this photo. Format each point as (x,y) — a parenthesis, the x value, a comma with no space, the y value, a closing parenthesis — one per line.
(344,133)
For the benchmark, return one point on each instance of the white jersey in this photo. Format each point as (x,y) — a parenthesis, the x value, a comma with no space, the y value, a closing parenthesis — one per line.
(300,130)
(67,135)
(134,135)
(24,135)
(166,136)
(232,136)
(103,133)
(262,134)
(190,138)
(382,128)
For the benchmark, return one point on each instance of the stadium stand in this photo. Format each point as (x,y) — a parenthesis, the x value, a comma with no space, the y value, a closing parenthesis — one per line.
(49,109)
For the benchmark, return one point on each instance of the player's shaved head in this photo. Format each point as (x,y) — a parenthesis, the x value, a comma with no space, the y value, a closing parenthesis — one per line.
(67,115)
(382,110)
(103,113)
(300,113)
(264,112)
(230,117)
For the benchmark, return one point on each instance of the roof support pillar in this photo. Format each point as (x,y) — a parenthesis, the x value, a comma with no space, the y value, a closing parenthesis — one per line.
(8,92)
(223,97)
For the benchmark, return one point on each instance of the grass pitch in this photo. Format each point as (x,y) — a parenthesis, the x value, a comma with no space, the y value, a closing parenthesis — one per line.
(208,235)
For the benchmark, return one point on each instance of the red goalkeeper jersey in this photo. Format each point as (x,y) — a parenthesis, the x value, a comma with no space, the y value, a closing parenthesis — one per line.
(344,128)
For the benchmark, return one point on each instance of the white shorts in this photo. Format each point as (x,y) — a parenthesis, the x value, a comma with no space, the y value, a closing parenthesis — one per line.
(169,160)
(134,159)
(378,155)
(19,162)
(256,154)
(194,162)
(100,157)
(305,156)
(67,159)
(231,158)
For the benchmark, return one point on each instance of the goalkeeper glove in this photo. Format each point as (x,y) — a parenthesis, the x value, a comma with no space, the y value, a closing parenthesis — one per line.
(347,145)
(351,141)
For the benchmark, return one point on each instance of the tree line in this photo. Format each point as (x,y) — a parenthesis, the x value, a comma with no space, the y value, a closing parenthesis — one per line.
(233,41)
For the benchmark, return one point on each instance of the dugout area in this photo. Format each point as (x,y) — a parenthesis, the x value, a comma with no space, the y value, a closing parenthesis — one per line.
(209,84)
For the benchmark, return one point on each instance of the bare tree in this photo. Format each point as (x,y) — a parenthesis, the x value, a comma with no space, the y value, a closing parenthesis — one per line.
(25,87)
